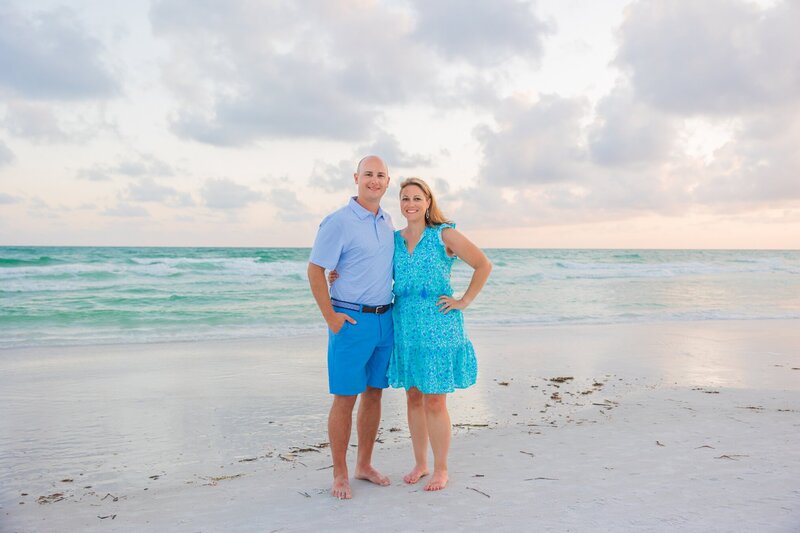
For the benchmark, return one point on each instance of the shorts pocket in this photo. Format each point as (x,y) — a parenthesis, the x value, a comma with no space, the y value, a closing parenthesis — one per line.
(342,329)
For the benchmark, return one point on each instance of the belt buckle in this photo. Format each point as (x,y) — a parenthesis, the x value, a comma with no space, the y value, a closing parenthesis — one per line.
(379,309)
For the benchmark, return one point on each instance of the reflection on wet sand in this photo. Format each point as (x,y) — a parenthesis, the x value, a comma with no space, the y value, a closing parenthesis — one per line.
(105,427)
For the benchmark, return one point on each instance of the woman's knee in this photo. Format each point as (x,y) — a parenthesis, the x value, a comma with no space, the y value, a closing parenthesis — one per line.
(414,398)
(435,403)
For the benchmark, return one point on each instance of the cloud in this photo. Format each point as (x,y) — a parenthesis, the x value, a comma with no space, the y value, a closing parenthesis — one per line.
(635,167)
(550,161)
(563,159)
(486,207)
(726,60)
(287,101)
(6,155)
(339,176)
(32,120)
(333,177)
(136,166)
(711,57)
(280,70)
(142,165)
(761,164)
(441,186)
(55,122)
(126,210)
(288,205)
(388,148)
(39,209)
(246,71)
(147,190)
(223,193)
(95,173)
(539,143)
(481,33)
(627,131)
(7,199)
(50,56)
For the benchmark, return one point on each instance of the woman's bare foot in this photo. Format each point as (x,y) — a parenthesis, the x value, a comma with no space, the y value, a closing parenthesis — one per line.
(368,473)
(438,481)
(341,488)
(416,473)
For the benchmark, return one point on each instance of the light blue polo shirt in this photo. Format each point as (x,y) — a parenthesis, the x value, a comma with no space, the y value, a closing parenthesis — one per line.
(359,246)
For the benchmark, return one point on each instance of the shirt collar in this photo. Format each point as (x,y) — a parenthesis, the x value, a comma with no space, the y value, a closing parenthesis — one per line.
(363,212)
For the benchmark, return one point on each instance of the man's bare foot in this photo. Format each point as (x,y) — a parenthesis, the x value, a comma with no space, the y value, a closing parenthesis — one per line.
(368,473)
(438,481)
(416,473)
(341,488)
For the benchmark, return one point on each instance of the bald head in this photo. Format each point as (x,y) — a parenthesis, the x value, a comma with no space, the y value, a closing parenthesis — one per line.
(371,160)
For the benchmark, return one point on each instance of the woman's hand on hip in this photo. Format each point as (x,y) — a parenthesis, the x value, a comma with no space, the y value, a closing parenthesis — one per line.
(332,276)
(448,303)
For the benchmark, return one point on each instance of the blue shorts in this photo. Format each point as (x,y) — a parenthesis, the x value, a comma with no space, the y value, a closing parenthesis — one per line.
(358,356)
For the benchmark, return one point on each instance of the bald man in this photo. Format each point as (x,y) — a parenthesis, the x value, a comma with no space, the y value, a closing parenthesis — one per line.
(358,242)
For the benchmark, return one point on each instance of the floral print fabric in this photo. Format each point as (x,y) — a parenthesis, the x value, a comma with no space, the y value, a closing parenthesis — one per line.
(431,350)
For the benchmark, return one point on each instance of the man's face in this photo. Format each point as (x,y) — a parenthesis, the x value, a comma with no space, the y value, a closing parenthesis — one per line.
(372,179)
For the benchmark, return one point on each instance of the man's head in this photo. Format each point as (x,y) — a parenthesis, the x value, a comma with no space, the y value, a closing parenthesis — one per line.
(372,178)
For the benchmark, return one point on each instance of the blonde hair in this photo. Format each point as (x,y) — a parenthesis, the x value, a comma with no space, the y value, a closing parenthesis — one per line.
(434,215)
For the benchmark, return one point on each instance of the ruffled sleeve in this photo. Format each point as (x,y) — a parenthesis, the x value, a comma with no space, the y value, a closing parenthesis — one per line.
(439,229)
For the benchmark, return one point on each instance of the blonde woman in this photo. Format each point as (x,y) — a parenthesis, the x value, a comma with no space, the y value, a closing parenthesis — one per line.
(432,356)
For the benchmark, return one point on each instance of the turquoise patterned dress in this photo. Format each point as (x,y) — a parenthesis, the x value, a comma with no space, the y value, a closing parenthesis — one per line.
(431,350)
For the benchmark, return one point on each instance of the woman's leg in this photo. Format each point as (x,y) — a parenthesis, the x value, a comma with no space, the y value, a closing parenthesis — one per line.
(439,430)
(419,434)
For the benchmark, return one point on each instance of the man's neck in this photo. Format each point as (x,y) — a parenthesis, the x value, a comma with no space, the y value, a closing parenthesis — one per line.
(372,208)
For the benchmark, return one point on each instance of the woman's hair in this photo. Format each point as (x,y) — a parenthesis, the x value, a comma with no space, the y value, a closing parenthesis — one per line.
(433,216)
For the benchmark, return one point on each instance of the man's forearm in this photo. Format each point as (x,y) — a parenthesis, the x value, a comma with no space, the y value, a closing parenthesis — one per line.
(319,288)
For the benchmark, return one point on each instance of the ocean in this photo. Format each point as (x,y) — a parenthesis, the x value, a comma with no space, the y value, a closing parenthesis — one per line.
(105,295)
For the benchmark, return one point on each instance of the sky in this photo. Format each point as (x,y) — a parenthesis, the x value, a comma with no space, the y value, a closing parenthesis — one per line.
(541,124)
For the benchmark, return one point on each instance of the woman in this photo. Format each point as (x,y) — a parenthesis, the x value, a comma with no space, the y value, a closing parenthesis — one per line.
(432,356)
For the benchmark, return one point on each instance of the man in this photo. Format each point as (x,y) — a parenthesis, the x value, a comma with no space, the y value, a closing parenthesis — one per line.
(358,242)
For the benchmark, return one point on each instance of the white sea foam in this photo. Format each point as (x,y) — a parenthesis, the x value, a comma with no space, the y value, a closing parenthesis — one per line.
(101,295)
(571,270)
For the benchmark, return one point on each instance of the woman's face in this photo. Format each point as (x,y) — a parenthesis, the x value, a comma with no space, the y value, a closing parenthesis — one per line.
(413,203)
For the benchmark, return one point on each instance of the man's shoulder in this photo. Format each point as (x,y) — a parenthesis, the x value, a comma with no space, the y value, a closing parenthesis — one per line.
(338,216)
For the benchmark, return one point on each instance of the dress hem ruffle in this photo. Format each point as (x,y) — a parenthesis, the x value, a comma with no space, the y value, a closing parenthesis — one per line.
(423,391)
(426,372)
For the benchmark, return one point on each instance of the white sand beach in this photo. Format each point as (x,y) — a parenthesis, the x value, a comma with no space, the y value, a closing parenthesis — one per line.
(690,426)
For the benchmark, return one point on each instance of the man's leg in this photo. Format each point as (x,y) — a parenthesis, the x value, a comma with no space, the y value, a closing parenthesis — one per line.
(340,422)
(369,417)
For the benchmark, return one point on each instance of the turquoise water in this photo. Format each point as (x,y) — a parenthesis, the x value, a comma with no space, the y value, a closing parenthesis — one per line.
(94,295)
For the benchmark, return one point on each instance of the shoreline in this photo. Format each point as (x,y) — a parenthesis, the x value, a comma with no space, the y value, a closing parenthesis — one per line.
(479,328)
(227,438)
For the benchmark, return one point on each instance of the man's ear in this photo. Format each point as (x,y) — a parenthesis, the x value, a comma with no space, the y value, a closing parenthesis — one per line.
(355,177)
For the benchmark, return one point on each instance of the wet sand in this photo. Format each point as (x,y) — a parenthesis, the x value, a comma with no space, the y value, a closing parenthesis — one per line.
(690,425)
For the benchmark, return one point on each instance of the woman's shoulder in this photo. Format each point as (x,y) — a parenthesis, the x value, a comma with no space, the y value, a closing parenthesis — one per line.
(441,233)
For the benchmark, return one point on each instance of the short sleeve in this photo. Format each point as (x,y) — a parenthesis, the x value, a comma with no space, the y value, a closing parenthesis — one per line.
(329,243)
(439,229)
